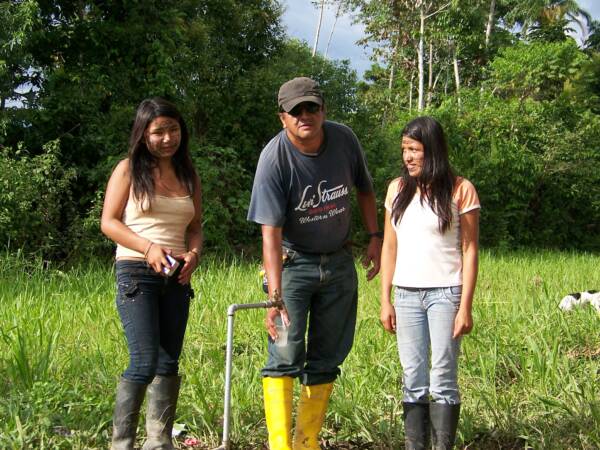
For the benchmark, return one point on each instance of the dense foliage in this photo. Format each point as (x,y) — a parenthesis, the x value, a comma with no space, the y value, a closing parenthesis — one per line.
(520,106)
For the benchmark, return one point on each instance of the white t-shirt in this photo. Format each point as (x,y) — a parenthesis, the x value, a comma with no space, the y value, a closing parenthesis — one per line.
(425,257)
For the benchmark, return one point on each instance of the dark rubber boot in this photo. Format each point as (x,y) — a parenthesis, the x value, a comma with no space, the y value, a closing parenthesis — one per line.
(444,422)
(129,399)
(162,402)
(416,425)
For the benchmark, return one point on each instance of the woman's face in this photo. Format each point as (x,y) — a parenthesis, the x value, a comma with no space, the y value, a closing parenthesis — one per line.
(413,156)
(163,136)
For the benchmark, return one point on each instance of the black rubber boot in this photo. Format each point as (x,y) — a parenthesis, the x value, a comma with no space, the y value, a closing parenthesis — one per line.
(416,425)
(129,399)
(444,422)
(162,402)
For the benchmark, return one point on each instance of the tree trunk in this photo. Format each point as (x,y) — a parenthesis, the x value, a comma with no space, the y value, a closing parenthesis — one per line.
(391,81)
(435,82)
(337,15)
(410,92)
(456,74)
(490,23)
(446,85)
(314,52)
(420,58)
(430,81)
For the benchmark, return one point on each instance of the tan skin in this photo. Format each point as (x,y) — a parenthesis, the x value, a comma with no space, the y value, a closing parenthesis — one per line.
(306,134)
(162,138)
(413,156)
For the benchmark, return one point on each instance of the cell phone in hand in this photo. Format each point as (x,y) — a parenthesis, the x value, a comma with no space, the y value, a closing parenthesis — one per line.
(174,264)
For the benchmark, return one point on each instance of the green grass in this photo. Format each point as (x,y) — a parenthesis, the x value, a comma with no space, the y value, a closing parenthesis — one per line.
(530,374)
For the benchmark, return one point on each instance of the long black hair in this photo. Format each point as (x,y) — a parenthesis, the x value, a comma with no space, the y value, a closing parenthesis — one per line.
(436,180)
(142,162)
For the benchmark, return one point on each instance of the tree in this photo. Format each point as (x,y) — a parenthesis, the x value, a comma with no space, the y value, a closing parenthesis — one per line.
(318,29)
(342,7)
(490,23)
(536,14)
(98,59)
(592,43)
(18,76)
(537,70)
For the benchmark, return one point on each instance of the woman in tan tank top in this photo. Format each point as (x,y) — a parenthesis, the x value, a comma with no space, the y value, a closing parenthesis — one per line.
(152,211)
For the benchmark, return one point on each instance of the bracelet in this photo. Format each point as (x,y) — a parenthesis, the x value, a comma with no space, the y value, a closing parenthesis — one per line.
(377,234)
(148,249)
(195,252)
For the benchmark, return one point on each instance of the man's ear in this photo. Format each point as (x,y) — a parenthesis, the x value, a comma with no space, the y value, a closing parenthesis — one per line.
(281,118)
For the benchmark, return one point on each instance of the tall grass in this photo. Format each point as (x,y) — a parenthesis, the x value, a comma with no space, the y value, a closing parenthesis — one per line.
(529,372)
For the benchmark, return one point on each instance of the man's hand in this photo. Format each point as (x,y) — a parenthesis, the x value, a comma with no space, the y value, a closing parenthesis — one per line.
(372,258)
(272,314)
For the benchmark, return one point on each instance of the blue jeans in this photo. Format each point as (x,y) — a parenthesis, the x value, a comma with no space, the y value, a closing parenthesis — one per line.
(424,326)
(320,294)
(154,312)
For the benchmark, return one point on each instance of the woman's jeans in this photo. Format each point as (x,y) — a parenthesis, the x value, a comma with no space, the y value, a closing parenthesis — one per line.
(424,326)
(320,294)
(154,312)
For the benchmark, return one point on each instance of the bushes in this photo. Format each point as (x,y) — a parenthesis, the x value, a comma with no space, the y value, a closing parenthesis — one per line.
(226,185)
(35,200)
(537,174)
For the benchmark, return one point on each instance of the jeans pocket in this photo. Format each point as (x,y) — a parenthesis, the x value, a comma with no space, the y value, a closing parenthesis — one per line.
(288,256)
(453,294)
(398,294)
(456,290)
(127,290)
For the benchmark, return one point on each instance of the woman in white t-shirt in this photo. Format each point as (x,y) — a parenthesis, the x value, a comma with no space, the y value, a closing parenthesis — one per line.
(429,257)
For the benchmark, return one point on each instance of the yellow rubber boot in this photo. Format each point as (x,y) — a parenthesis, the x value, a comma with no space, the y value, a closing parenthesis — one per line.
(278,411)
(311,413)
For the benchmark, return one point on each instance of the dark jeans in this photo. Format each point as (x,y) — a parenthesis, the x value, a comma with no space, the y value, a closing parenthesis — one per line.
(320,294)
(154,311)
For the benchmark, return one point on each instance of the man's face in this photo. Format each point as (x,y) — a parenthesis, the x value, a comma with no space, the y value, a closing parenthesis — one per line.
(304,123)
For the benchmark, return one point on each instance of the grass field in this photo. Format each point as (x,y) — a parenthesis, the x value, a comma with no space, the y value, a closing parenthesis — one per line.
(530,374)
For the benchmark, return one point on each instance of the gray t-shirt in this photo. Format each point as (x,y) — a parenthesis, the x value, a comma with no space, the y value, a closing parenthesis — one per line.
(309,195)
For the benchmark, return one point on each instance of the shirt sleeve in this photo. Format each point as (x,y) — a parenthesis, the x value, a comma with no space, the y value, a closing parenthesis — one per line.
(466,196)
(268,200)
(392,192)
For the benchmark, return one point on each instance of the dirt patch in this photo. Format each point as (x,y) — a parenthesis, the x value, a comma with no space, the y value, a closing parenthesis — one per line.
(584,353)
(488,441)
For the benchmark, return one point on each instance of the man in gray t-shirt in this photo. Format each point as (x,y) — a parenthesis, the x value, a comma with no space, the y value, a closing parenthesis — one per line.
(301,198)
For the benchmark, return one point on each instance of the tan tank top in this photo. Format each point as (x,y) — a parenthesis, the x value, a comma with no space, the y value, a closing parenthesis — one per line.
(164,224)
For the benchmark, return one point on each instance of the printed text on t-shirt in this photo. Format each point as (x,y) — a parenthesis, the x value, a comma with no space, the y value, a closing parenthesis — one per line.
(311,199)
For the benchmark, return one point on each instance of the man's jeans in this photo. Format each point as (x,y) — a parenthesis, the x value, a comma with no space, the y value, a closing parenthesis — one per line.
(424,324)
(154,312)
(320,294)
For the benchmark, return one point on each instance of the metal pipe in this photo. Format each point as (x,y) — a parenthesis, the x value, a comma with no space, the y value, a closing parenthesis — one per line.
(225,445)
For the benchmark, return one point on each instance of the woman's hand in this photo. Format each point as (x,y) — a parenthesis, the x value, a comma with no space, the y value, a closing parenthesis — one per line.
(463,323)
(155,255)
(388,317)
(190,261)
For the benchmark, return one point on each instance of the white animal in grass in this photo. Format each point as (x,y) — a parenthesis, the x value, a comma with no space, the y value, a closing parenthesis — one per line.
(578,299)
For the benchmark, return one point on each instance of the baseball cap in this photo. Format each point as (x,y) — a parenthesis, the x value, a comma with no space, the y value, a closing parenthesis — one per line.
(298,90)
